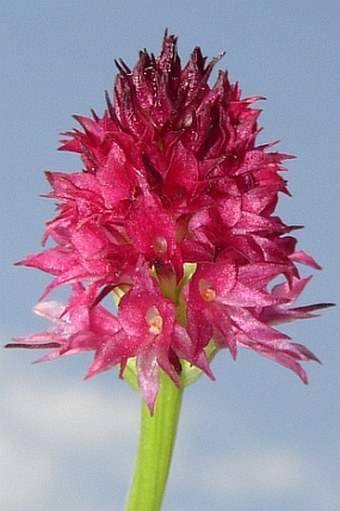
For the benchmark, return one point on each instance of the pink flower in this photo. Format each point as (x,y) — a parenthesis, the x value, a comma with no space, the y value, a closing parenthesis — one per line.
(174,212)
(76,326)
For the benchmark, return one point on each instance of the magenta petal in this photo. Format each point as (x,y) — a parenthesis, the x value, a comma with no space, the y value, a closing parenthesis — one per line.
(151,228)
(301,257)
(148,378)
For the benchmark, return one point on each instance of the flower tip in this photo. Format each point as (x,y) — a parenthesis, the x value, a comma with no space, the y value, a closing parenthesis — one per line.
(19,263)
(92,370)
(149,401)
(327,305)
(11,345)
(151,408)
(296,227)
(98,365)
(166,36)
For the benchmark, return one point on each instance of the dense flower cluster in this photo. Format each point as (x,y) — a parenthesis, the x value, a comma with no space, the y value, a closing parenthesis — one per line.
(174,213)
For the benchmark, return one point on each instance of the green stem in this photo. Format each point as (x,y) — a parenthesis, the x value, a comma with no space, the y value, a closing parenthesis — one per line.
(156,442)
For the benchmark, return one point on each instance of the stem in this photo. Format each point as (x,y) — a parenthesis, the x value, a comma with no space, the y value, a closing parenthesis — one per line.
(155,446)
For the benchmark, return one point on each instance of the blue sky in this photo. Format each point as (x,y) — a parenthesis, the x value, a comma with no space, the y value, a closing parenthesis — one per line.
(257,438)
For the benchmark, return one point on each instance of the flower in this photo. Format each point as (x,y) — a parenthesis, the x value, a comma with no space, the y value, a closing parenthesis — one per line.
(173,212)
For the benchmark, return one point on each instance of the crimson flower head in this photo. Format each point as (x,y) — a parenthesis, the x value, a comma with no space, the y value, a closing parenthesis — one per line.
(174,213)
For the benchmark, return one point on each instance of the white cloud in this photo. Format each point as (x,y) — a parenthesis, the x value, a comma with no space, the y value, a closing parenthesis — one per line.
(270,471)
(75,413)
(48,430)
(24,475)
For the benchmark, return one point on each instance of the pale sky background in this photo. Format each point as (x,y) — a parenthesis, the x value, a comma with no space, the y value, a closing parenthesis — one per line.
(256,439)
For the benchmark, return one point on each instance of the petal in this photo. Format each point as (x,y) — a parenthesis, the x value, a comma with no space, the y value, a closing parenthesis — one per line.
(148,377)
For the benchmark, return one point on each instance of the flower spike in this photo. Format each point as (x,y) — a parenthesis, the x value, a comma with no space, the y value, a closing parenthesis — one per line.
(173,212)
